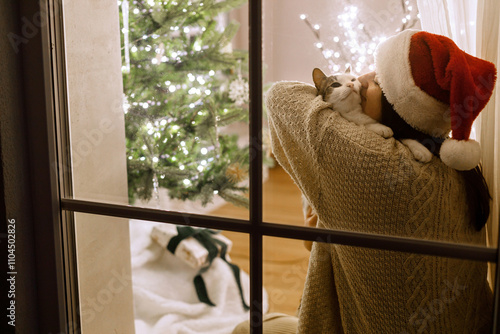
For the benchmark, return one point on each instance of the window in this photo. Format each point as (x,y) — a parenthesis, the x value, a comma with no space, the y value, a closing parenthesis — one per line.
(65,205)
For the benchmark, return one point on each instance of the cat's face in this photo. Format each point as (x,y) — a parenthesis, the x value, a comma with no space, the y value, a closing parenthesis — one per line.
(337,87)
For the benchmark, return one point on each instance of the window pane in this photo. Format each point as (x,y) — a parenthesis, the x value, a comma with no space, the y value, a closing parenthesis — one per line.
(285,263)
(129,278)
(344,169)
(158,97)
(359,290)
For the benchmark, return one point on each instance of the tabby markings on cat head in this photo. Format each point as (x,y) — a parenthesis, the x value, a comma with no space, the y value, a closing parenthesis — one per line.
(336,87)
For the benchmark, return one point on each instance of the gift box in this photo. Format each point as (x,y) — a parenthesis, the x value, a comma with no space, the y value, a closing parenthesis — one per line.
(191,249)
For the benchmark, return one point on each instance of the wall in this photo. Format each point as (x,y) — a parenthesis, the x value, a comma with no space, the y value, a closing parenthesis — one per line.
(289,52)
(99,166)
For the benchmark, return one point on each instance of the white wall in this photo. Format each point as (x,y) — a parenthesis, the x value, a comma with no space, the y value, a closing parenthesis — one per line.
(99,165)
(289,52)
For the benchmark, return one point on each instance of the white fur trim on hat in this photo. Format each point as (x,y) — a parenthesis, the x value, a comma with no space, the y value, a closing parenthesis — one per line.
(460,154)
(416,107)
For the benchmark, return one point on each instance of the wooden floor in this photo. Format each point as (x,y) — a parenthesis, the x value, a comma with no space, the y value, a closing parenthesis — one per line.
(285,260)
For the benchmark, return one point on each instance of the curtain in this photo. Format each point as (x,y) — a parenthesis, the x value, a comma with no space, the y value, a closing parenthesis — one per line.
(488,47)
(455,19)
(474,26)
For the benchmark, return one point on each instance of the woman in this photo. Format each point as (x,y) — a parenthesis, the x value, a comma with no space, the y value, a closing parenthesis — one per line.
(356,180)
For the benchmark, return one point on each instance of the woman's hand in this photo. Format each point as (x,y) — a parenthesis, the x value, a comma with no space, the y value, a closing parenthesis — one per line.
(310,220)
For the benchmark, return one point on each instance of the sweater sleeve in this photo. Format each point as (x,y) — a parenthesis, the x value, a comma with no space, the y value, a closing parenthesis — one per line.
(349,175)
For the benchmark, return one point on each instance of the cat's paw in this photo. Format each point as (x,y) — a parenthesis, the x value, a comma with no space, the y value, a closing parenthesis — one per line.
(419,151)
(422,155)
(380,129)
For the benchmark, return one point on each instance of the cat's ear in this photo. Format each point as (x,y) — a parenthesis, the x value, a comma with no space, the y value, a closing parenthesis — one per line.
(318,77)
(348,69)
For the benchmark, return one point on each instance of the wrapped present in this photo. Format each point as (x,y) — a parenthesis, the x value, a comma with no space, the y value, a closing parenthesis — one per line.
(198,247)
(189,249)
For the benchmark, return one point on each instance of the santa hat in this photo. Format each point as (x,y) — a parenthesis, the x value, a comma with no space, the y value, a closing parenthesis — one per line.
(436,87)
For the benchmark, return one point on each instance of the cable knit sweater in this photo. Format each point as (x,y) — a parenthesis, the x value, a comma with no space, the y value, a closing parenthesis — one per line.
(358,181)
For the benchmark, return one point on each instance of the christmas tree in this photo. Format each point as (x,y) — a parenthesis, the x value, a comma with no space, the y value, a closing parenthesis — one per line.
(182,84)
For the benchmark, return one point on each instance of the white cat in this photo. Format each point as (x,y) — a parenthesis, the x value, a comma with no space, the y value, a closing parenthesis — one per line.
(342,90)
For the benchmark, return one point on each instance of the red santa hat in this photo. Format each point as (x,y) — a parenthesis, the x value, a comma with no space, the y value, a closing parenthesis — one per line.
(436,87)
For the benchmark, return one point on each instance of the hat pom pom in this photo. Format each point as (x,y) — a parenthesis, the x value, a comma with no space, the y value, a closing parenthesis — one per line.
(460,154)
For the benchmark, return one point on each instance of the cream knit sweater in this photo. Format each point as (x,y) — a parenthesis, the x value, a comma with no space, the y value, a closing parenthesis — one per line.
(359,181)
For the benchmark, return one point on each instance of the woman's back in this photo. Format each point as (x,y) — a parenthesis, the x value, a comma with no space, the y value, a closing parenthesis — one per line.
(358,181)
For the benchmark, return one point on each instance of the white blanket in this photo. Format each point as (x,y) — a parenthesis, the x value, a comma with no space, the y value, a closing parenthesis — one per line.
(165,299)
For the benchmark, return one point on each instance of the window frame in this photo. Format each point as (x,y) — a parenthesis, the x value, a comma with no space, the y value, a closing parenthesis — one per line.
(52,202)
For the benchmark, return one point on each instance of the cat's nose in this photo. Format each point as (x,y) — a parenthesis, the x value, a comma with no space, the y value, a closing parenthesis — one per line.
(350,85)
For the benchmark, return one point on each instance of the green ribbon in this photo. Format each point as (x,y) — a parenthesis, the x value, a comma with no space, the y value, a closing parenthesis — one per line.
(206,239)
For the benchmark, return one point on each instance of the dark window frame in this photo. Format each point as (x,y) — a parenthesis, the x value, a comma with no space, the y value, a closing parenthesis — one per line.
(53,206)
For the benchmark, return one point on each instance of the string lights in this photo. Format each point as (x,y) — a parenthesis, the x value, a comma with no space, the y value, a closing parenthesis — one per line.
(355,44)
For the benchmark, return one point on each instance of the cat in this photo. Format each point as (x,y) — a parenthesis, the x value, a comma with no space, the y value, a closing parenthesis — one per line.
(342,90)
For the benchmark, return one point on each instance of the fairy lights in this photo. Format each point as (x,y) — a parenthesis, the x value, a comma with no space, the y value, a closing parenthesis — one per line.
(356,44)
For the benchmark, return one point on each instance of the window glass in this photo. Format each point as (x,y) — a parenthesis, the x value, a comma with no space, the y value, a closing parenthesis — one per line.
(343,169)
(366,290)
(155,277)
(158,97)
(285,263)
